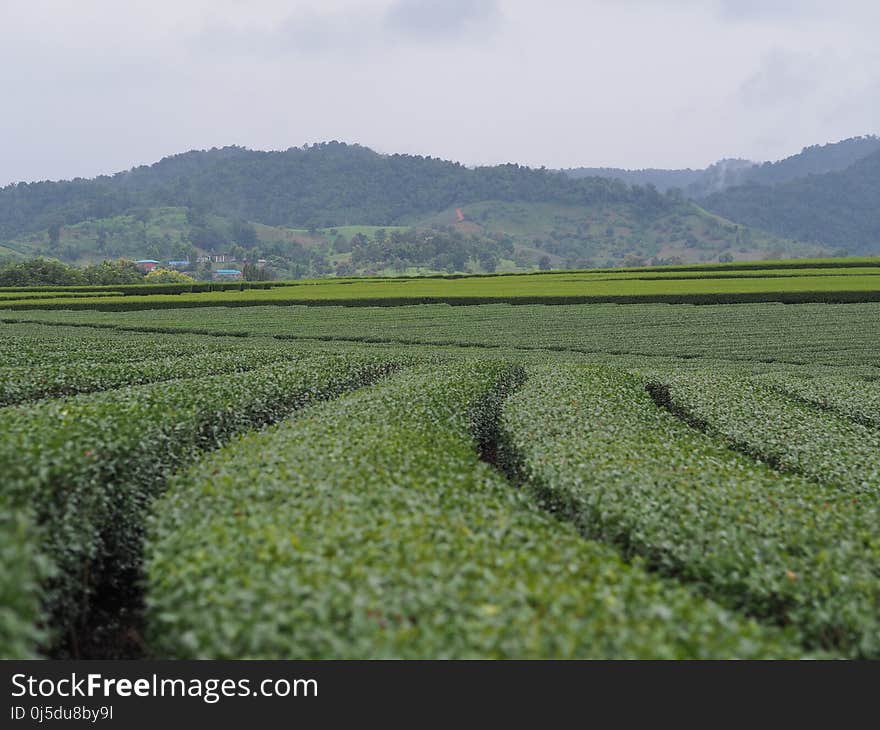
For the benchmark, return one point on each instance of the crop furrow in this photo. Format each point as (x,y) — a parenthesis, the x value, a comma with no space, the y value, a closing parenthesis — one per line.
(756,419)
(371,529)
(855,398)
(591,444)
(20,385)
(80,472)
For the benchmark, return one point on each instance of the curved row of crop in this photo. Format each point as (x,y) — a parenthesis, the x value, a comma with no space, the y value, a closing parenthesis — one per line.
(370,529)
(766,333)
(184,301)
(22,384)
(79,472)
(792,436)
(29,345)
(855,398)
(591,444)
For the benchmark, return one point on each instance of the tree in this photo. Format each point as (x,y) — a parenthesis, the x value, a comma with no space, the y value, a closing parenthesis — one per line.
(253,272)
(488,261)
(168,276)
(341,244)
(544,263)
(40,272)
(114,272)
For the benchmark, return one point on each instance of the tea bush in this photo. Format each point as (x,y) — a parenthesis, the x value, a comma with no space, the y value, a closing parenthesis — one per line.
(592,445)
(368,528)
(79,472)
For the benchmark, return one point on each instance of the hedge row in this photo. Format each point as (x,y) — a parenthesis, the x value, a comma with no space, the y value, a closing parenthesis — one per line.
(370,529)
(592,444)
(43,294)
(39,346)
(855,398)
(788,434)
(79,472)
(135,289)
(181,302)
(22,384)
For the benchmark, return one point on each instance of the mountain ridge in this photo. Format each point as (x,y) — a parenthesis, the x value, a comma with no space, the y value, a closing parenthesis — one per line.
(731,172)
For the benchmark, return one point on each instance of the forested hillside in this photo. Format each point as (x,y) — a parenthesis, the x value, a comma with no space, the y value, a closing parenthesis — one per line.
(837,209)
(727,173)
(323,185)
(344,209)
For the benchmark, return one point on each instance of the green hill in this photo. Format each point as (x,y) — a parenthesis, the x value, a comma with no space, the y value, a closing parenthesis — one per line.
(344,209)
(724,174)
(493,236)
(614,235)
(836,209)
(330,184)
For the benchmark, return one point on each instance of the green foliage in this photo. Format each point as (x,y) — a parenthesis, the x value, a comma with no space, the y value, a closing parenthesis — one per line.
(855,398)
(369,529)
(765,335)
(403,543)
(835,209)
(82,470)
(849,284)
(25,383)
(168,276)
(40,272)
(592,444)
(320,186)
(792,436)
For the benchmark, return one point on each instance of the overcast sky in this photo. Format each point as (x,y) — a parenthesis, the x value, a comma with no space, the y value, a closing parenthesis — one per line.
(96,86)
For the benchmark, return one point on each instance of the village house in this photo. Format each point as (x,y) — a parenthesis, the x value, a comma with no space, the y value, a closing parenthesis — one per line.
(146,265)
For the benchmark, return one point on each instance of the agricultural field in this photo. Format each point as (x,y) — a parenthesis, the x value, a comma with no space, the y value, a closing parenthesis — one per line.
(192,478)
(817,280)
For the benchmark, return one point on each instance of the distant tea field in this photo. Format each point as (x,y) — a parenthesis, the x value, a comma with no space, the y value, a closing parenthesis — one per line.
(654,463)
(830,280)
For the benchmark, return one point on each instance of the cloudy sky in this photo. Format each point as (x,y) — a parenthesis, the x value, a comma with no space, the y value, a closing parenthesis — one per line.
(94,86)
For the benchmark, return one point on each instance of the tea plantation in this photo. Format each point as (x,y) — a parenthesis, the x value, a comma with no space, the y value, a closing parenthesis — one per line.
(564,478)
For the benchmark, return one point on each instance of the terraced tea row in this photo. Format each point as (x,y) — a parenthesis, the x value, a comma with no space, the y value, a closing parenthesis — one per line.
(592,444)
(78,474)
(368,528)
(28,345)
(856,398)
(790,435)
(21,384)
(838,285)
(842,335)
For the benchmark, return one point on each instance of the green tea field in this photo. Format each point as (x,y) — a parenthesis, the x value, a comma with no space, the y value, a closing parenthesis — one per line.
(654,463)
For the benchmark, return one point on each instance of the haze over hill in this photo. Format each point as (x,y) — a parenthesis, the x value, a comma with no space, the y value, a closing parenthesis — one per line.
(836,208)
(727,173)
